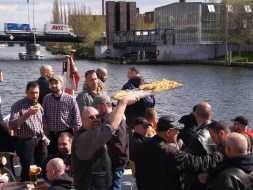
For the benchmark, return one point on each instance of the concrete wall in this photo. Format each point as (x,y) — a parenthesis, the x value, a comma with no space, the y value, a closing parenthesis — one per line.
(103,51)
(185,52)
(100,51)
(189,51)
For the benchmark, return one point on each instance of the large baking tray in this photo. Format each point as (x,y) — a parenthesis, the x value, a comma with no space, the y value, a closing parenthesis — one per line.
(144,93)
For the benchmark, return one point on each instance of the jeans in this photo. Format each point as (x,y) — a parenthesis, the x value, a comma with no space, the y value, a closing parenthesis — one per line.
(30,151)
(117,175)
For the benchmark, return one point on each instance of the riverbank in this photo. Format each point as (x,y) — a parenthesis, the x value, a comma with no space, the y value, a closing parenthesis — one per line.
(172,62)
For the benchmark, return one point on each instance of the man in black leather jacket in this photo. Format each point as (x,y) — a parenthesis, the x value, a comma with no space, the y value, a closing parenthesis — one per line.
(159,162)
(201,145)
(236,171)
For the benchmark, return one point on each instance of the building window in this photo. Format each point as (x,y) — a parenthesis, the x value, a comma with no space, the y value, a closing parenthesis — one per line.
(247,8)
(211,8)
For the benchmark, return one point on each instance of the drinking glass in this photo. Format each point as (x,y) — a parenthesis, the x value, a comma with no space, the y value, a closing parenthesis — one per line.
(33,173)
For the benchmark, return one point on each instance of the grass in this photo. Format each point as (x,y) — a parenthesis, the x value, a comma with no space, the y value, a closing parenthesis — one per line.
(245,57)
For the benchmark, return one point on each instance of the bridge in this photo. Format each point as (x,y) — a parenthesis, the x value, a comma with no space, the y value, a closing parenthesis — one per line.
(143,38)
(32,48)
(29,37)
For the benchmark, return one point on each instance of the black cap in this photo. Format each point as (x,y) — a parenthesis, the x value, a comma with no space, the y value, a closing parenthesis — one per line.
(141,121)
(168,122)
(241,119)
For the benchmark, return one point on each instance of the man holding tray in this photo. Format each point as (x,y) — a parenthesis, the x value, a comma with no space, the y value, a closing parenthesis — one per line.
(137,109)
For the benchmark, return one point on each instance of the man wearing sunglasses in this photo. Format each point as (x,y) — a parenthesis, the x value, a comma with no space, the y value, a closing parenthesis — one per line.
(141,126)
(91,163)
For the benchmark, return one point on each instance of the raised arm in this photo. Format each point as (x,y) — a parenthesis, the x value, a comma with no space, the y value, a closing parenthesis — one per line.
(118,113)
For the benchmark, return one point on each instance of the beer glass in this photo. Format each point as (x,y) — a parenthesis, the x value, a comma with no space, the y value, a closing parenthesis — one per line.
(33,173)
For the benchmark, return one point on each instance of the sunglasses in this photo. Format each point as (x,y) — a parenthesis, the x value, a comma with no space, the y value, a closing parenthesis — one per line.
(91,117)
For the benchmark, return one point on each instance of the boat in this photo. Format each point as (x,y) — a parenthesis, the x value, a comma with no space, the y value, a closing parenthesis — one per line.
(2,46)
(35,57)
(24,56)
(11,44)
(39,57)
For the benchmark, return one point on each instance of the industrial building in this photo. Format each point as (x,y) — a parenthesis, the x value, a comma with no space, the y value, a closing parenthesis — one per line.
(203,30)
(193,23)
(195,31)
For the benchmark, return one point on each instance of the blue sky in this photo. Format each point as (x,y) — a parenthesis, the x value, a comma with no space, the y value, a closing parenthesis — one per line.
(17,10)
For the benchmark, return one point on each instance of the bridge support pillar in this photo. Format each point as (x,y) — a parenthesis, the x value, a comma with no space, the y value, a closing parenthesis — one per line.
(143,55)
(32,50)
(139,56)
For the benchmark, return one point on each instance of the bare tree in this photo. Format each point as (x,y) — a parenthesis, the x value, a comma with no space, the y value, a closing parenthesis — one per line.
(65,15)
(56,13)
(240,24)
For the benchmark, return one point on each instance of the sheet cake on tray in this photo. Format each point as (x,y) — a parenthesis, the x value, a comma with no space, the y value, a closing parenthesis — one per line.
(148,89)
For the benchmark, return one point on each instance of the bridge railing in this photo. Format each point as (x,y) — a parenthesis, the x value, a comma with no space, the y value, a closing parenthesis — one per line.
(123,39)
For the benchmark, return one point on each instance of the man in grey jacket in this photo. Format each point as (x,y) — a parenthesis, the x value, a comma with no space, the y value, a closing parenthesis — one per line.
(91,89)
(90,160)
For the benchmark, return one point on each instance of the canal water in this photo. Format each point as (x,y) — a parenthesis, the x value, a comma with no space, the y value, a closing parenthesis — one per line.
(228,90)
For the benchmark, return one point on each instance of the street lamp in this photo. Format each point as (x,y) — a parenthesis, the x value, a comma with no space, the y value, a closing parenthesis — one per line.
(226,27)
(34,37)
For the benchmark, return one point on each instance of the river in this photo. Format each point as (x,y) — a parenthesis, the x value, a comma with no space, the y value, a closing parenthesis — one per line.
(227,89)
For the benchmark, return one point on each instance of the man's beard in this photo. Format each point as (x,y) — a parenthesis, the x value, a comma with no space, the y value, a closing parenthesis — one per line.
(55,91)
(64,151)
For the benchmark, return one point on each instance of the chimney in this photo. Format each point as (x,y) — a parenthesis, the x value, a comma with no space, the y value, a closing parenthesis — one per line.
(182,1)
(103,7)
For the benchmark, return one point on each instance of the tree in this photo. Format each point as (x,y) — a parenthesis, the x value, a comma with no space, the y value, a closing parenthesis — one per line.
(239,22)
(141,25)
(56,13)
(80,18)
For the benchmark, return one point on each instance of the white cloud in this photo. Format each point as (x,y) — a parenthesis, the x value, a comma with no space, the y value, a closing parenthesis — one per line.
(17,10)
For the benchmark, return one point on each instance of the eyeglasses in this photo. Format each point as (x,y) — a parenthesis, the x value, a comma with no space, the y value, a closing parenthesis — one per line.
(91,117)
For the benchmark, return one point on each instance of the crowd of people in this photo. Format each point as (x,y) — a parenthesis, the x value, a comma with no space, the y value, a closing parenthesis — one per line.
(87,142)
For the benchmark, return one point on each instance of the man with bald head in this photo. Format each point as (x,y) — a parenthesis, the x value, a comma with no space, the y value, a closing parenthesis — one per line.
(91,163)
(56,175)
(102,73)
(235,172)
(46,72)
(102,77)
(202,143)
